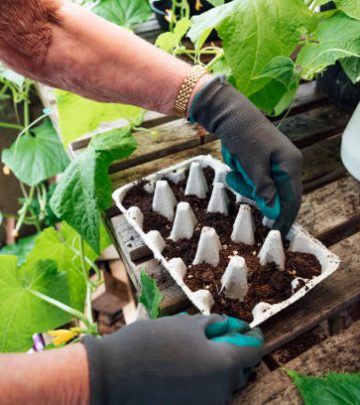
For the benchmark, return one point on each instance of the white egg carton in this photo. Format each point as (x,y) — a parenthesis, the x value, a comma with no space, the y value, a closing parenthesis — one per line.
(234,279)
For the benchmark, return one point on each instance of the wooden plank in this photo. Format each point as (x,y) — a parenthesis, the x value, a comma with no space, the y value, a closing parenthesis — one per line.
(303,129)
(330,297)
(330,206)
(338,353)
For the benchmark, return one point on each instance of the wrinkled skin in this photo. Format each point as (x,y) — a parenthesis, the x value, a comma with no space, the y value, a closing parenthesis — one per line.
(26,32)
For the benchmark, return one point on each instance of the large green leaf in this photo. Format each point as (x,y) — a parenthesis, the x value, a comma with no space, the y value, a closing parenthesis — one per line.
(336,38)
(333,389)
(35,157)
(204,23)
(59,246)
(84,190)
(20,249)
(349,7)
(351,67)
(79,116)
(150,295)
(125,13)
(276,85)
(21,312)
(259,30)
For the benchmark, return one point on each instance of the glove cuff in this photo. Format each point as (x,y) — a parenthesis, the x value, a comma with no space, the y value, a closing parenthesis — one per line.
(97,371)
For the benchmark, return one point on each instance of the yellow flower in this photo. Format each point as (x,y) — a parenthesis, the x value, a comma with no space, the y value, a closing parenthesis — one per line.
(6,170)
(198,5)
(62,336)
(170,17)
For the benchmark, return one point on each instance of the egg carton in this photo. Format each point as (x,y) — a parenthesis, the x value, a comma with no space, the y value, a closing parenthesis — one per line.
(234,280)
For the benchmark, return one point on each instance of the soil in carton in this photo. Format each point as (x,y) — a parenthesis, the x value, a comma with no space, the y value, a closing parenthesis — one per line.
(266,283)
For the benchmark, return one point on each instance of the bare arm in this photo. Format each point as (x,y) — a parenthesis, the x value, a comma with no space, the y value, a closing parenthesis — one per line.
(58,376)
(72,48)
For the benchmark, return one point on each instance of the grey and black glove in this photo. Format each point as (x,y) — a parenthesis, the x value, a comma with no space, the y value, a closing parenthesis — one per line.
(266,166)
(173,360)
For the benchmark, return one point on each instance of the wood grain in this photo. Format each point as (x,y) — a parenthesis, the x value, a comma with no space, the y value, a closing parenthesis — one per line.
(339,353)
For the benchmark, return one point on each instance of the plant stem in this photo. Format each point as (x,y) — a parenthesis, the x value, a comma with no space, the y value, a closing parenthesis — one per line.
(25,207)
(71,311)
(10,126)
(88,282)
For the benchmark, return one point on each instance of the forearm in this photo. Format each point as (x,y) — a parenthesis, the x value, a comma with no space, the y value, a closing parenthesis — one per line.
(58,376)
(99,60)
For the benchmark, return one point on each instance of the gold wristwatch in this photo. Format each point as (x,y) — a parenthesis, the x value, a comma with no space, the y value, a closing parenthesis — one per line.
(186,89)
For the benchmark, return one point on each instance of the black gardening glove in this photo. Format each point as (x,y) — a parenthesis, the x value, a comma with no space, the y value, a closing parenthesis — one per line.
(266,166)
(173,361)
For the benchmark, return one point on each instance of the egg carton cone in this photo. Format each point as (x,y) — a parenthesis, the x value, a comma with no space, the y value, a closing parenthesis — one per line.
(208,247)
(244,227)
(272,250)
(234,280)
(135,215)
(164,201)
(184,222)
(219,201)
(196,182)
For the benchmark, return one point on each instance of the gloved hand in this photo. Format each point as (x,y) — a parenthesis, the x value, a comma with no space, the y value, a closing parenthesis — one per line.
(266,166)
(173,360)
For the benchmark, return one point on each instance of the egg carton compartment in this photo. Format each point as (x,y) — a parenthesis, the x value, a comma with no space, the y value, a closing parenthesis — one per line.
(217,246)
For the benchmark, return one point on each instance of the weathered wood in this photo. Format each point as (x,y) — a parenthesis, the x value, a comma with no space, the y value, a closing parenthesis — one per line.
(328,298)
(330,206)
(303,129)
(339,353)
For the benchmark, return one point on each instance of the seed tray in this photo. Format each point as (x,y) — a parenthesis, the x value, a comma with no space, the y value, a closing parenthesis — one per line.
(234,279)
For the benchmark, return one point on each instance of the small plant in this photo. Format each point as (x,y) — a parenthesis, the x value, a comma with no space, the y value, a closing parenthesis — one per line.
(150,295)
(268,47)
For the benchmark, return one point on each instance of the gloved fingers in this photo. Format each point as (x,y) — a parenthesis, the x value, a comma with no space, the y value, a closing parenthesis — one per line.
(236,181)
(226,326)
(290,191)
(248,339)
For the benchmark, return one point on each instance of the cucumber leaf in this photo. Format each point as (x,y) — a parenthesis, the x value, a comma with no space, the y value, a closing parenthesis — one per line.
(334,389)
(349,7)
(351,67)
(150,295)
(336,38)
(90,115)
(216,3)
(35,157)
(20,249)
(168,41)
(85,189)
(21,312)
(259,30)
(125,13)
(277,85)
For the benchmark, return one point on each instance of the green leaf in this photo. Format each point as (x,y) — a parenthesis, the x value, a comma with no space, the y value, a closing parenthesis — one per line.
(336,38)
(36,157)
(203,24)
(22,314)
(85,189)
(351,67)
(258,31)
(168,41)
(216,3)
(349,7)
(58,246)
(74,125)
(125,13)
(333,389)
(150,295)
(276,85)
(20,249)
